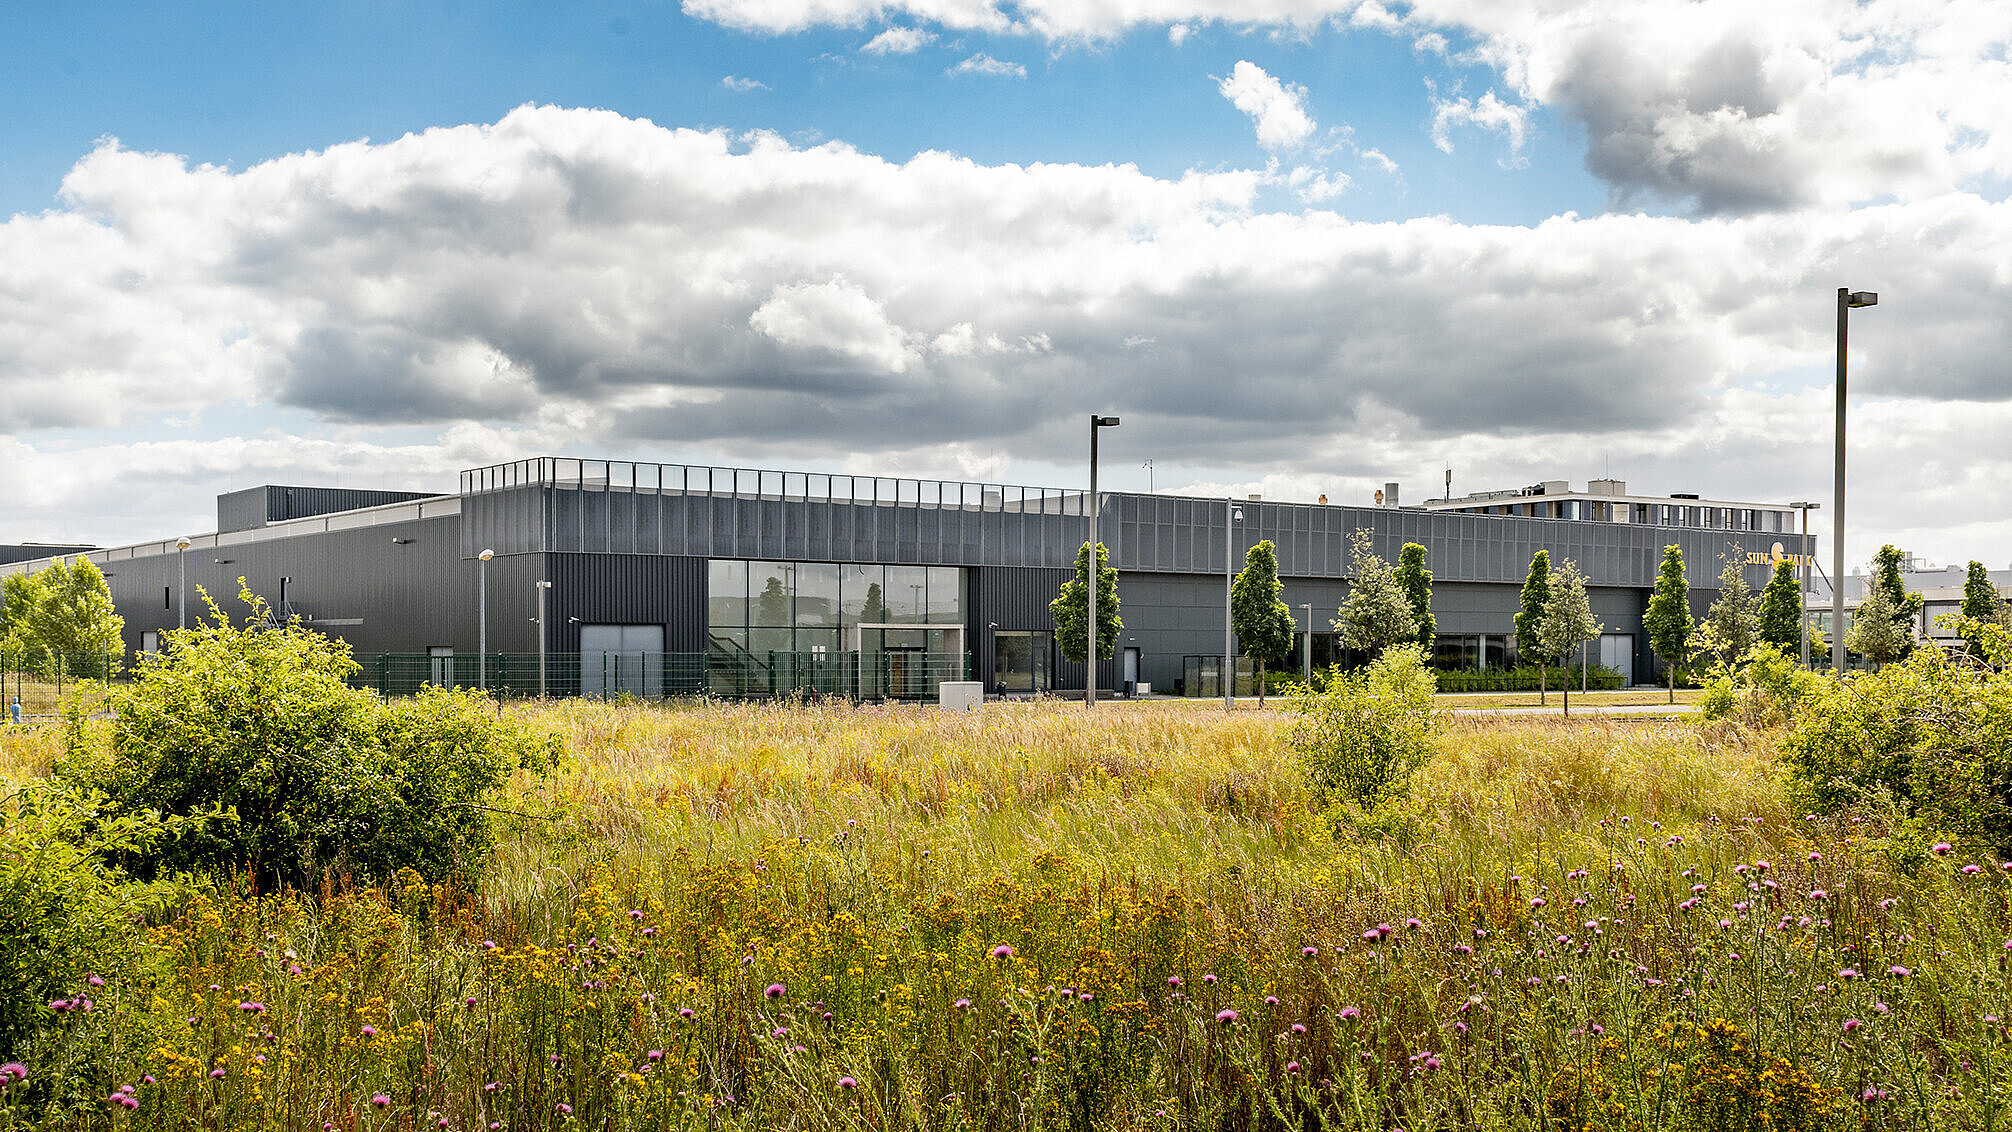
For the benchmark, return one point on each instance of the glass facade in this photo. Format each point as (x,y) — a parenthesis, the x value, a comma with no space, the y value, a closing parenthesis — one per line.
(824,607)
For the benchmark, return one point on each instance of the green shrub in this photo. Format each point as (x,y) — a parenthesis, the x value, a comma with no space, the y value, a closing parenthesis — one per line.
(1524,679)
(1361,737)
(1933,734)
(298,774)
(1766,689)
(66,910)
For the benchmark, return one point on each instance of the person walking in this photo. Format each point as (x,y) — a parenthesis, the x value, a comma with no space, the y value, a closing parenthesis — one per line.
(14,710)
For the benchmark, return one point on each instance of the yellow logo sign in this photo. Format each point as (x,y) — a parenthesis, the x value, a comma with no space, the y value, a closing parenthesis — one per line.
(1757,558)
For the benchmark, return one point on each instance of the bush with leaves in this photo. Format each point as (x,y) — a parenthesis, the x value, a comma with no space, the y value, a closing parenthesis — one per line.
(1767,688)
(67,912)
(1361,737)
(297,775)
(1932,733)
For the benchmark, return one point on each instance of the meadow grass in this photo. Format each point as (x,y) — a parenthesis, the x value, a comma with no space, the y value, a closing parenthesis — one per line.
(828,916)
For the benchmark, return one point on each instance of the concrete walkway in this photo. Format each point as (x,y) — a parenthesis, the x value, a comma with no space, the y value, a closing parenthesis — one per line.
(1585,709)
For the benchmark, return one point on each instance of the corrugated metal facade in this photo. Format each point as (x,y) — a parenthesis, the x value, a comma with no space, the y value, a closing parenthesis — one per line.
(630,589)
(254,507)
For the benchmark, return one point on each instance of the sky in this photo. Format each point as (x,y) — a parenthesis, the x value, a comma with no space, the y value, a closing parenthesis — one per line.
(1301,247)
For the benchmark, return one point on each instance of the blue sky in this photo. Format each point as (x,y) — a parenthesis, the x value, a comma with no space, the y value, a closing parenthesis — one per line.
(1303,246)
(241,83)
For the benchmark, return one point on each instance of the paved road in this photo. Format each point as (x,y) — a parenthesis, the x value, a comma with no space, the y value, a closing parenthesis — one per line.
(1583,709)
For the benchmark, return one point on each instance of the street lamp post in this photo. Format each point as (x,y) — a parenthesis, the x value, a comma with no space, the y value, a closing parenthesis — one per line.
(482,615)
(182,545)
(1306,648)
(543,589)
(1808,554)
(1846,300)
(1090,628)
(1232,514)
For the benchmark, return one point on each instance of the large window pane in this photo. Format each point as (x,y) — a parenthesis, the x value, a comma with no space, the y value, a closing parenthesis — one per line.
(727,593)
(862,595)
(771,587)
(946,595)
(761,642)
(906,587)
(816,594)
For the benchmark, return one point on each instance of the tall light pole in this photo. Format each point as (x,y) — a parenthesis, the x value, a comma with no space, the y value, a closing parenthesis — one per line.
(482,615)
(1232,514)
(1846,300)
(1090,627)
(543,588)
(182,545)
(1808,554)
(1306,648)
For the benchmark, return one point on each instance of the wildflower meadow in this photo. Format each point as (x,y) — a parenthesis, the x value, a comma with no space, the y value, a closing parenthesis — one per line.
(1044,916)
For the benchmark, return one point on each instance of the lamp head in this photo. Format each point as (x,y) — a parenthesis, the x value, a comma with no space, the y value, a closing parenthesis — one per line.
(1863,299)
(486,555)
(183,543)
(1103,422)
(1237,513)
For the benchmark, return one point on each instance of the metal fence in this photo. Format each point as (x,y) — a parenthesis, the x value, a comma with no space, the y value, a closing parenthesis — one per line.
(720,673)
(38,679)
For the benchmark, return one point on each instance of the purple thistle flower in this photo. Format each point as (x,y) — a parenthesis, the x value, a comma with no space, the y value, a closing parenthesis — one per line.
(1298,1028)
(380,1100)
(1292,1068)
(1271,1000)
(563,1109)
(1003,951)
(656,1055)
(1175,980)
(1226,1016)
(1851,1024)
(1350,1013)
(961,1004)
(217,1073)
(1309,951)
(1898,972)
(13,1071)
(1209,979)
(1972,870)
(94,980)
(1940,849)
(847,1083)
(775,990)
(368,1031)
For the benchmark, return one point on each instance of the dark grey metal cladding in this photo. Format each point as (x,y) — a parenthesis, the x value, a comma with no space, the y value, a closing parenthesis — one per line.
(623,520)
(410,594)
(627,589)
(1016,599)
(254,507)
(1164,533)
(32,551)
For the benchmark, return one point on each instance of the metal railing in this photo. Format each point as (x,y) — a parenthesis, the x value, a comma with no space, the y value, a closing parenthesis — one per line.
(39,678)
(721,673)
(755,483)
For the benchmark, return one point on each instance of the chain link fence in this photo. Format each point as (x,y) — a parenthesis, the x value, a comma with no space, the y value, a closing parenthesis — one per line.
(41,680)
(721,674)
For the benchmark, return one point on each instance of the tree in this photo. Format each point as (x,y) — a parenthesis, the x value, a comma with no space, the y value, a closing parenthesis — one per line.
(1568,618)
(1262,622)
(1781,609)
(874,610)
(1877,633)
(1904,607)
(62,615)
(1536,591)
(252,739)
(1417,583)
(1732,625)
(1981,603)
(1668,619)
(1375,614)
(1069,613)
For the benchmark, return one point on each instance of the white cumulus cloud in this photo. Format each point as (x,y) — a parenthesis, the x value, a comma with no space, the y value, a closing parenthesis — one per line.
(983,64)
(1486,113)
(742,85)
(1278,110)
(899,41)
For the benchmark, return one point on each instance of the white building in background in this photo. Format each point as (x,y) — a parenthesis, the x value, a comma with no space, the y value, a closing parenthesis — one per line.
(1941,589)
(1608,501)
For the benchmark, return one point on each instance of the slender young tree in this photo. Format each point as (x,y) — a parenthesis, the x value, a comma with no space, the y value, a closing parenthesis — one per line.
(1877,633)
(1668,620)
(1732,625)
(1781,609)
(1262,622)
(1069,613)
(1375,614)
(1536,591)
(1568,618)
(1903,607)
(1417,583)
(1981,602)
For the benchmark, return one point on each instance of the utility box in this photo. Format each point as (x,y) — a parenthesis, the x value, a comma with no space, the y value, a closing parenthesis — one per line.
(960,695)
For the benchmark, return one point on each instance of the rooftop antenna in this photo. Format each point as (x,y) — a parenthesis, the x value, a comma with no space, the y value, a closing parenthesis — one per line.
(1449,483)
(1148,465)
